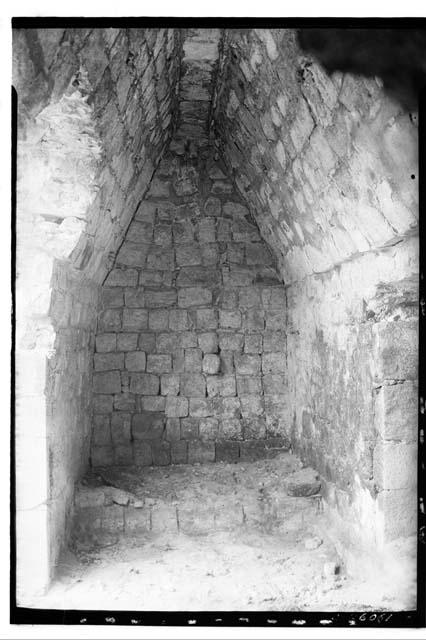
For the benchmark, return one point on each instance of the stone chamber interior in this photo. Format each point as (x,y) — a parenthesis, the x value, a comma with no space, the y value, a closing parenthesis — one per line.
(217,298)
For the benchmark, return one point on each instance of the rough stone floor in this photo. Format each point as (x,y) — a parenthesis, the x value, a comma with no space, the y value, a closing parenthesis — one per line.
(209,537)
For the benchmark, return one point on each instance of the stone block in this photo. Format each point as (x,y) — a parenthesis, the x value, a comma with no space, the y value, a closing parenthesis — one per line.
(227,451)
(189,428)
(153,403)
(274,363)
(198,276)
(132,254)
(206,319)
(135,319)
(146,342)
(148,425)
(395,465)
(229,319)
(137,520)
(112,297)
(106,342)
(101,430)
(254,427)
(274,319)
(201,407)
(253,343)
(249,298)
(247,385)
(163,234)
(134,298)
(247,364)
(178,359)
(127,341)
(201,451)
(209,254)
(170,384)
(193,385)
(156,299)
(274,384)
(274,341)
(173,429)
(223,385)
(120,427)
(188,254)
(140,232)
(397,350)
(251,450)
(231,341)
(230,428)
(156,363)
(160,453)
(251,405)
(211,364)
(235,253)
(275,446)
(102,456)
(254,320)
(122,278)
(258,253)
(144,383)
(108,361)
(142,453)
(168,342)
(176,407)
(227,362)
(150,278)
(160,259)
(178,320)
(113,516)
(207,230)
(208,342)
(305,482)
(208,428)
(158,320)
(194,297)
(228,298)
(107,382)
(193,360)
(212,206)
(275,298)
(102,403)
(109,320)
(179,452)
(135,361)
(124,402)
(399,513)
(183,232)
(396,412)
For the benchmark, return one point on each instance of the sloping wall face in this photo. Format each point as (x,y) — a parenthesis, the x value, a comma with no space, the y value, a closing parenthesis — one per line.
(328,166)
(95,111)
(190,361)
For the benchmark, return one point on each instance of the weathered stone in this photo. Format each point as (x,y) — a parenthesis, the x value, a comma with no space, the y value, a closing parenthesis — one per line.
(124,402)
(176,407)
(193,360)
(112,297)
(153,403)
(102,403)
(158,320)
(106,342)
(146,342)
(158,363)
(120,427)
(135,319)
(144,383)
(147,425)
(170,384)
(227,451)
(208,342)
(194,297)
(303,483)
(206,319)
(162,298)
(109,320)
(200,451)
(200,407)
(134,298)
(107,382)
(274,363)
(122,278)
(135,361)
(230,429)
(179,452)
(231,341)
(189,428)
(211,364)
(178,320)
(160,453)
(193,384)
(247,364)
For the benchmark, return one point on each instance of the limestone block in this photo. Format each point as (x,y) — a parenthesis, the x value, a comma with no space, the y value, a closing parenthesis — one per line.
(135,319)
(124,402)
(146,342)
(208,342)
(230,428)
(178,320)
(251,450)
(194,297)
(200,451)
(212,206)
(254,427)
(158,319)
(120,427)
(247,364)
(168,342)
(109,320)
(102,456)
(201,407)
(274,341)
(179,452)
(211,364)
(254,320)
(144,383)
(193,384)
(101,430)
(244,231)
(251,405)
(193,360)
(228,407)
(160,259)
(221,187)
(140,232)
(122,278)
(248,385)
(274,298)
(160,456)
(106,342)
(208,428)
(227,362)
(257,253)
(231,341)
(395,465)
(188,254)
(112,297)
(229,319)
(397,350)
(127,341)
(150,278)
(102,403)
(155,299)
(173,429)
(176,407)
(399,510)
(132,254)
(274,319)
(158,363)
(147,425)
(197,276)
(135,361)
(206,319)
(209,254)
(249,297)
(142,453)
(135,298)
(170,384)
(227,451)
(183,232)
(163,235)
(274,363)
(107,382)
(189,428)
(207,230)
(396,412)
(273,384)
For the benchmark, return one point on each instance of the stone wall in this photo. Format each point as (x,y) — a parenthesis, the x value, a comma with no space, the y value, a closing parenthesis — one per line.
(95,111)
(328,166)
(190,362)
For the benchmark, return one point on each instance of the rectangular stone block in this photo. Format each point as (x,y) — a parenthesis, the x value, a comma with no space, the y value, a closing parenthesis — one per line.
(247,364)
(170,384)
(188,254)
(109,320)
(120,428)
(145,384)
(231,341)
(229,319)
(227,451)
(106,342)
(274,341)
(274,363)
(163,234)
(164,518)
(395,465)
(124,402)
(158,320)
(200,407)
(211,364)
(135,361)
(399,510)
(173,429)
(193,360)
(274,319)
(108,361)
(135,298)
(397,350)
(112,297)
(107,382)
(194,297)
(208,342)
(253,343)
(189,428)
(123,454)
(235,252)
(247,385)
(251,450)
(102,456)
(258,253)
(161,259)
(140,232)
(251,405)
(274,383)
(102,403)
(208,428)
(142,453)
(132,254)
(176,407)
(127,341)
(198,276)
(158,363)
(178,320)
(179,452)
(206,319)
(122,278)
(160,453)
(396,412)
(153,403)
(244,231)
(193,384)
(200,451)
(254,427)
(155,299)
(254,320)
(101,430)
(149,278)
(207,230)
(113,517)
(227,362)
(147,342)
(275,298)
(137,520)
(148,425)
(230,429)
(135,319)
(183,232)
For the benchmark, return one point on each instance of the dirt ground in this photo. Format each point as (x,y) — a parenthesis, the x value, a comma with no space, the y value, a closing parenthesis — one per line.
(291,566)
